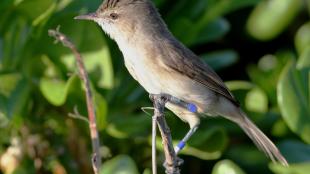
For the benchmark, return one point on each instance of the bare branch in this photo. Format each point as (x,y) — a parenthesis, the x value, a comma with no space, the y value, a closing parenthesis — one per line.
(96,158)
(172,163)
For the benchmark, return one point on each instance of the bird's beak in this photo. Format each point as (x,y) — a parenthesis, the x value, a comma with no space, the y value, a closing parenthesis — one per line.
(90,16)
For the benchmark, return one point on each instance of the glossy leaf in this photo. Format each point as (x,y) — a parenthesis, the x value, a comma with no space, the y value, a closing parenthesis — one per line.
(302,38)
(119,165)
(293,98)
(295,151)
(270,18)
(221,59)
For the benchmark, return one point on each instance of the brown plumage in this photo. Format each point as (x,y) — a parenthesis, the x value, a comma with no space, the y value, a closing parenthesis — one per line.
(162,64)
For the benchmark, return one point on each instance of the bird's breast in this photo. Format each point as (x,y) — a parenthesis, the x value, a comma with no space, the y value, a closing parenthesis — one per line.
(156,77)
(142,70)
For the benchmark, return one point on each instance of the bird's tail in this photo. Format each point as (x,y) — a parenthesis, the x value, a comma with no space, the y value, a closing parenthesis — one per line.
(261,140)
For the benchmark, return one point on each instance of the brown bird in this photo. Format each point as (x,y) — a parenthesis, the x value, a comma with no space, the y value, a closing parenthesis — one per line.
(163,65)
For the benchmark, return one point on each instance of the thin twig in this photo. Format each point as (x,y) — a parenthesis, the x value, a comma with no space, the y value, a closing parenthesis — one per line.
(172,163)
(77,115)
(154,159)
(96,158)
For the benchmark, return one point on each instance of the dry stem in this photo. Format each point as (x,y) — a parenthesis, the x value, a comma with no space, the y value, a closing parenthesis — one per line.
(96,158)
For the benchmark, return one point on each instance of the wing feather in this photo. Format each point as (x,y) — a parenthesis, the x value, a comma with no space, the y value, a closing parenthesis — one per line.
(184,61)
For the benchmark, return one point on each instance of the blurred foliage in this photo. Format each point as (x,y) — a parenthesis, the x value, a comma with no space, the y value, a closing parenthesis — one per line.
(260,47)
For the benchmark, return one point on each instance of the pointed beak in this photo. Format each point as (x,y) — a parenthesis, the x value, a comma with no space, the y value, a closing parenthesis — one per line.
(90,16)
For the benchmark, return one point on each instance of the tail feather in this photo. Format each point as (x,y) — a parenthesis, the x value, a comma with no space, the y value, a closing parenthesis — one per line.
(262,141)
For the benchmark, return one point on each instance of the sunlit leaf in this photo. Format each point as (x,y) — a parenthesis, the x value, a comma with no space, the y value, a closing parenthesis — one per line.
(56,90)
(121,164)
(271,17)
(226,167)
(300,168)
(304,59)
(237,85)
(302,38)
(256,101)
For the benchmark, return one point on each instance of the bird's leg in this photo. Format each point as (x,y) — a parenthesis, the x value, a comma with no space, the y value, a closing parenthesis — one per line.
(182,143)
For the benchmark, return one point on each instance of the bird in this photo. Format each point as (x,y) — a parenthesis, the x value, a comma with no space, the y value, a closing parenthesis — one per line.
(161,64)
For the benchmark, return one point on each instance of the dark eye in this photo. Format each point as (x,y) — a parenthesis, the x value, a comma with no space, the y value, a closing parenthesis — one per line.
(114,16)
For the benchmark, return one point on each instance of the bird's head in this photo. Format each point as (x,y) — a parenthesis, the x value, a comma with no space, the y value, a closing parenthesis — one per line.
(124,18)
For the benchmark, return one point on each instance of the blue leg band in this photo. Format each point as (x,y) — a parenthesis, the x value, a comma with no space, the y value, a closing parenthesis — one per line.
(181,145)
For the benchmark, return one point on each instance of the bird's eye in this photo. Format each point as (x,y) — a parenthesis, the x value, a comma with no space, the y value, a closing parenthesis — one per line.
(114,16)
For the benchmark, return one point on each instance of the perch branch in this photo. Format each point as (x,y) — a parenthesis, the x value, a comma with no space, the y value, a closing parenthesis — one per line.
(172,163)
(154,159)
(96,158)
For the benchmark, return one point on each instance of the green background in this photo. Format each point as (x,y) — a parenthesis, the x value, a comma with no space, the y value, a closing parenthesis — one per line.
(261,49)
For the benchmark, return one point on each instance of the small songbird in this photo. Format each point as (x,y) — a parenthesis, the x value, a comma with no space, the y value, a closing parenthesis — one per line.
(163,65)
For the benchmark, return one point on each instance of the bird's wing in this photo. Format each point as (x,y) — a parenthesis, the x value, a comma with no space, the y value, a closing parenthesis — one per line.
(186,62)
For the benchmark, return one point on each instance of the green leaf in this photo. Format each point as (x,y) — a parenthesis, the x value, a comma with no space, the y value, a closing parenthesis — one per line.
(304,59)
(237,85)
(11,80)
(293,98)
(192,151)
(271,17)
(302,38)
(18,99)
(267,73)
(213,31)
(121,164)
(301,168)
(300,154)
(207,144)
(210,139)
(36,10)
(91,45)
(3,112)
(256,101)
(129,126)
(101,107)
(56,90)
(14,94)
(221,59)
(225,167)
